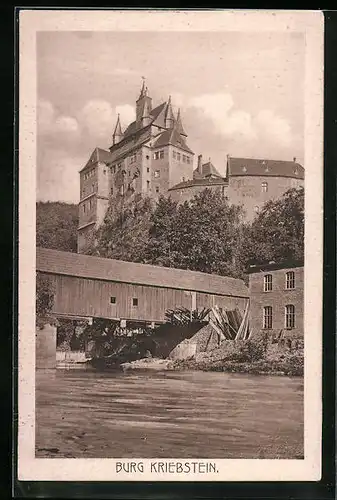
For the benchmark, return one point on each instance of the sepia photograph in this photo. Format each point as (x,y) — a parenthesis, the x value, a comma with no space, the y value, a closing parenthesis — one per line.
(170,237)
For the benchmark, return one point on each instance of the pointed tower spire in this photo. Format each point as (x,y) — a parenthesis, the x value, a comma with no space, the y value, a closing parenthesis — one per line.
(143,90)
(169,116)
(143,107)
(146,115)
(118,134)
(180,127)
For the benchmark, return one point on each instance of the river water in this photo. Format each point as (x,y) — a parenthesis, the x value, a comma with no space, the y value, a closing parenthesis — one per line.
(84,414)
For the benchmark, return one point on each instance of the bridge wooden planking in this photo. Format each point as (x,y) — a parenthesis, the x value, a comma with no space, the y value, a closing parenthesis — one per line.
(91,298)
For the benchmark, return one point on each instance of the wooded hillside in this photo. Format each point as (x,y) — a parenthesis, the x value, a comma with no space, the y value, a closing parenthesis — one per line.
(56,225)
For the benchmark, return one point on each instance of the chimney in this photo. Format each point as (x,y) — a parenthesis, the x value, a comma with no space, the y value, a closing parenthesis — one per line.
(199,163)
(294,159)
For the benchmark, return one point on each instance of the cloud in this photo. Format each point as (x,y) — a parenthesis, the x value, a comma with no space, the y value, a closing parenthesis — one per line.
(227,120)
(98,117)
(58,178)
(274,127)
(45,116)
(127,114)
(57,127)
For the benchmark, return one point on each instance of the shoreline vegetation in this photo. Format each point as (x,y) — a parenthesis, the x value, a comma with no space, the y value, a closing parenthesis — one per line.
(258,356)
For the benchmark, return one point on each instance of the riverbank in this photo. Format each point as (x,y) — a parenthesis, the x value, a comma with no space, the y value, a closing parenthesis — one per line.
(251,357)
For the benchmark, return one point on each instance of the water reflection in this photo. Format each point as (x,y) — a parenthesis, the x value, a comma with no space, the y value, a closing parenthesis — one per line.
(169,414)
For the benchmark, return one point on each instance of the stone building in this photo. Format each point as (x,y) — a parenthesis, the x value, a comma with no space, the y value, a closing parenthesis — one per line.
(276,294)
(148,158)
(151,158)
(248,182)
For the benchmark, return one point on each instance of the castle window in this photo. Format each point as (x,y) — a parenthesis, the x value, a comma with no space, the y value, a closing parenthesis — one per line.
(157,189)
(264,187)
(290,280)
(90,204)
(148,170)
(267,317)
(84,208)
(147,157)
(113,169)
(257,209)
(178,156)
(122,189)
(112,300)
(184,159)
(174,155)
(133,158)
(135,302)
(157,173)
(290,316)
(188,159)
(111,190)
(159,155)
(268,283)
(148,185)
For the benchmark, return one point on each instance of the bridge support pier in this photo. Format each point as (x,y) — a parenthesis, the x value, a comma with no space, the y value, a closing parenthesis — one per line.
(45,347)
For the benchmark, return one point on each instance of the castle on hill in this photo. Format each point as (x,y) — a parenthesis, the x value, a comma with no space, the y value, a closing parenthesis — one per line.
(152,158)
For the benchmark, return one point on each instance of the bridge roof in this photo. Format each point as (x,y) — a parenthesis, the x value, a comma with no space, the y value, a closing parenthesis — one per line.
(85,266)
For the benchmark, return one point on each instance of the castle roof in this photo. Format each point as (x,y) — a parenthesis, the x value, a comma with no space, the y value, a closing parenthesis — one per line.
(204,181)
(264,168)
(179,125)
(206,170)
(172,137)
(154,114)
(98,155)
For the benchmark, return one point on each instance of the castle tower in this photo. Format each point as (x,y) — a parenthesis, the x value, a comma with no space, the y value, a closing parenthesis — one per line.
(143,107)
(94,198)
(118,134)
(179,125)
(169,116)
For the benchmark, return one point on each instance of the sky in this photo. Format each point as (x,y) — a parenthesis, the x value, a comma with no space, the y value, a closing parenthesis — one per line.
(240,93)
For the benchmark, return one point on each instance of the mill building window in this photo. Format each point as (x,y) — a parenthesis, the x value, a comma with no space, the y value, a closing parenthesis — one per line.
(264,187)
(268,283)
(290,316)
(267,317)
(290,280)
(157,173)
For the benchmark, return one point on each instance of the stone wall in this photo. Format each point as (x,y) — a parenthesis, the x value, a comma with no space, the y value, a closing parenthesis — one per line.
(45,347)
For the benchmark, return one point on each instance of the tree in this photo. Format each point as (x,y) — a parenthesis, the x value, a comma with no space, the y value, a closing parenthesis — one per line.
(56,226)
(277,233)
(44,300)
(125,232)
(198,235)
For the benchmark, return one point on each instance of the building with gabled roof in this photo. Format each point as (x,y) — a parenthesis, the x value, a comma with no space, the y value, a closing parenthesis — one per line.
(151,157)
(146,159)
